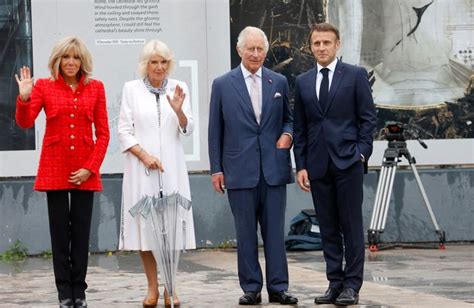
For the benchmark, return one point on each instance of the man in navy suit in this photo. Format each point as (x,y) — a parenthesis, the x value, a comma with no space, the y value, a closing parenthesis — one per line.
(250,135)
(334,124)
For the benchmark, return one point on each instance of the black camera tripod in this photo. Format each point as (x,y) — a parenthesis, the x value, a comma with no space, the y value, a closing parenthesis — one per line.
(396,149)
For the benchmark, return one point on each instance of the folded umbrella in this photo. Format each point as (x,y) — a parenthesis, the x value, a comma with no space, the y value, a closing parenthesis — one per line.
(162,213)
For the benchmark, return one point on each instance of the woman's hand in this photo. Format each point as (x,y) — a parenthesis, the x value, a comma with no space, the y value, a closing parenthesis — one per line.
(178,99)
(177,104)
(79,176)
(151,162)
(25,83)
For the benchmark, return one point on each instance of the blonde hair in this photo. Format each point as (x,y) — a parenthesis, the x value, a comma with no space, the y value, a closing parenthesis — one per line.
(79,48)
(154,48)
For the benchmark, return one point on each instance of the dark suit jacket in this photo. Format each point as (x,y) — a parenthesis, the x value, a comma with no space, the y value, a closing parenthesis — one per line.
(240,147)
(344,129)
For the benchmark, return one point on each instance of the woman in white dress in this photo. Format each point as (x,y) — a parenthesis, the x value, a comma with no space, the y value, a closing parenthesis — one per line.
(151,145)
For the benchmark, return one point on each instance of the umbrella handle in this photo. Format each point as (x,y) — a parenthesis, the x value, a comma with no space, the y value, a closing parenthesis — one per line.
(160,181)
(183,222)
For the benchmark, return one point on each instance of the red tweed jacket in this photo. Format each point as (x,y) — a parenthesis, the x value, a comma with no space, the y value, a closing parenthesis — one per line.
(68,143)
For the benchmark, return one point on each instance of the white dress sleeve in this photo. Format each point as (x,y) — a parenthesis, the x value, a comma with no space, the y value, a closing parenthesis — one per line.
(126,130)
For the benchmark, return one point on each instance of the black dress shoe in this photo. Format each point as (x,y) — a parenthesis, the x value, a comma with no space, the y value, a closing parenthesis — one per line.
(250,298)
(329,296)
(347,297)
(283,298)
(66,303)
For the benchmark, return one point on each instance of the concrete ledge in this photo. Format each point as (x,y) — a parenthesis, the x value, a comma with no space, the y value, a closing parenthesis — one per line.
(24,212)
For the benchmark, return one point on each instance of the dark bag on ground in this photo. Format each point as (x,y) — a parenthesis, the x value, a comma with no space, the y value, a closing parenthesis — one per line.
(304,232)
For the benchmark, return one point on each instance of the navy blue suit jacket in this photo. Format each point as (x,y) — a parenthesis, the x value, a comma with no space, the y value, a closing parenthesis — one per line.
(240,147)
(344,129)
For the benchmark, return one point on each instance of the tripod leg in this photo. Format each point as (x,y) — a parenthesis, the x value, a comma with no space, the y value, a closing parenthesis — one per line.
(387,197)
(381,204)
(442,236)
(372,233)
(425,198)
(378,193)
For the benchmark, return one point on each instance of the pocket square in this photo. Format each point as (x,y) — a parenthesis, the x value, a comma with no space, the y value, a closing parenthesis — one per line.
(277,95)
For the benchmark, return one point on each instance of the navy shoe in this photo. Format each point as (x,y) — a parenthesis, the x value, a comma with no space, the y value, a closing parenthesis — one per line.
(329,296)
(250,298)
(282,297)
(347,297)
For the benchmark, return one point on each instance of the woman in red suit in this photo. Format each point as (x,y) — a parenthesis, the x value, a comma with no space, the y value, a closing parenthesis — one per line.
(70,157)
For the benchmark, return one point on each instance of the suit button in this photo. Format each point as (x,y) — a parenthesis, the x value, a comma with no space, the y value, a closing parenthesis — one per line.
(71,126)
(75,99)
(72,148)
(72,115)
(75,106)
(72,137)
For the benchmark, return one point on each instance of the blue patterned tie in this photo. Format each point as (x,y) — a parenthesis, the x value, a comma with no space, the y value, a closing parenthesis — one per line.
(324,89)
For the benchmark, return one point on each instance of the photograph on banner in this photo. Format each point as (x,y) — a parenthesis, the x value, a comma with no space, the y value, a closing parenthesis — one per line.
(418,53)
(15,51)
(115,33)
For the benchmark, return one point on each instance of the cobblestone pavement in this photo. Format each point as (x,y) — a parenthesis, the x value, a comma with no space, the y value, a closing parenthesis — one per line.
(208,278)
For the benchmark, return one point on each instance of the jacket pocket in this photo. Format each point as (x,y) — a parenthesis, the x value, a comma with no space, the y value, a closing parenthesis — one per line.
(283,159)
(90,115)
(283,153)
(349,136)
(49,140)
(51,114)
(88,140)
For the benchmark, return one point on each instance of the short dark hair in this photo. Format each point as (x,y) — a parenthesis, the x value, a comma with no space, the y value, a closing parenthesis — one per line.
(323,27)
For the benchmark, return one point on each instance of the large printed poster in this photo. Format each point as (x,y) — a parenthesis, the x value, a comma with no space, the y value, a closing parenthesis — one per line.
(419,55)
(115,32)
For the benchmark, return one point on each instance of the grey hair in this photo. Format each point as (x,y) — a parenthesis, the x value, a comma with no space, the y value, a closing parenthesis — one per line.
(154,48)
(245,32)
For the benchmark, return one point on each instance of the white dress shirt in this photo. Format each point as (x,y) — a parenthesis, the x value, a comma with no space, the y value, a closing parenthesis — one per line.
(248,79)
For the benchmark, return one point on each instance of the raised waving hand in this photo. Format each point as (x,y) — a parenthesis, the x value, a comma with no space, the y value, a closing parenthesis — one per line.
(25,83)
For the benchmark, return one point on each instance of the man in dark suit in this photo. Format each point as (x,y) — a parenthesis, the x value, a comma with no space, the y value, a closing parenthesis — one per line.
(250,135)
(334,123)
